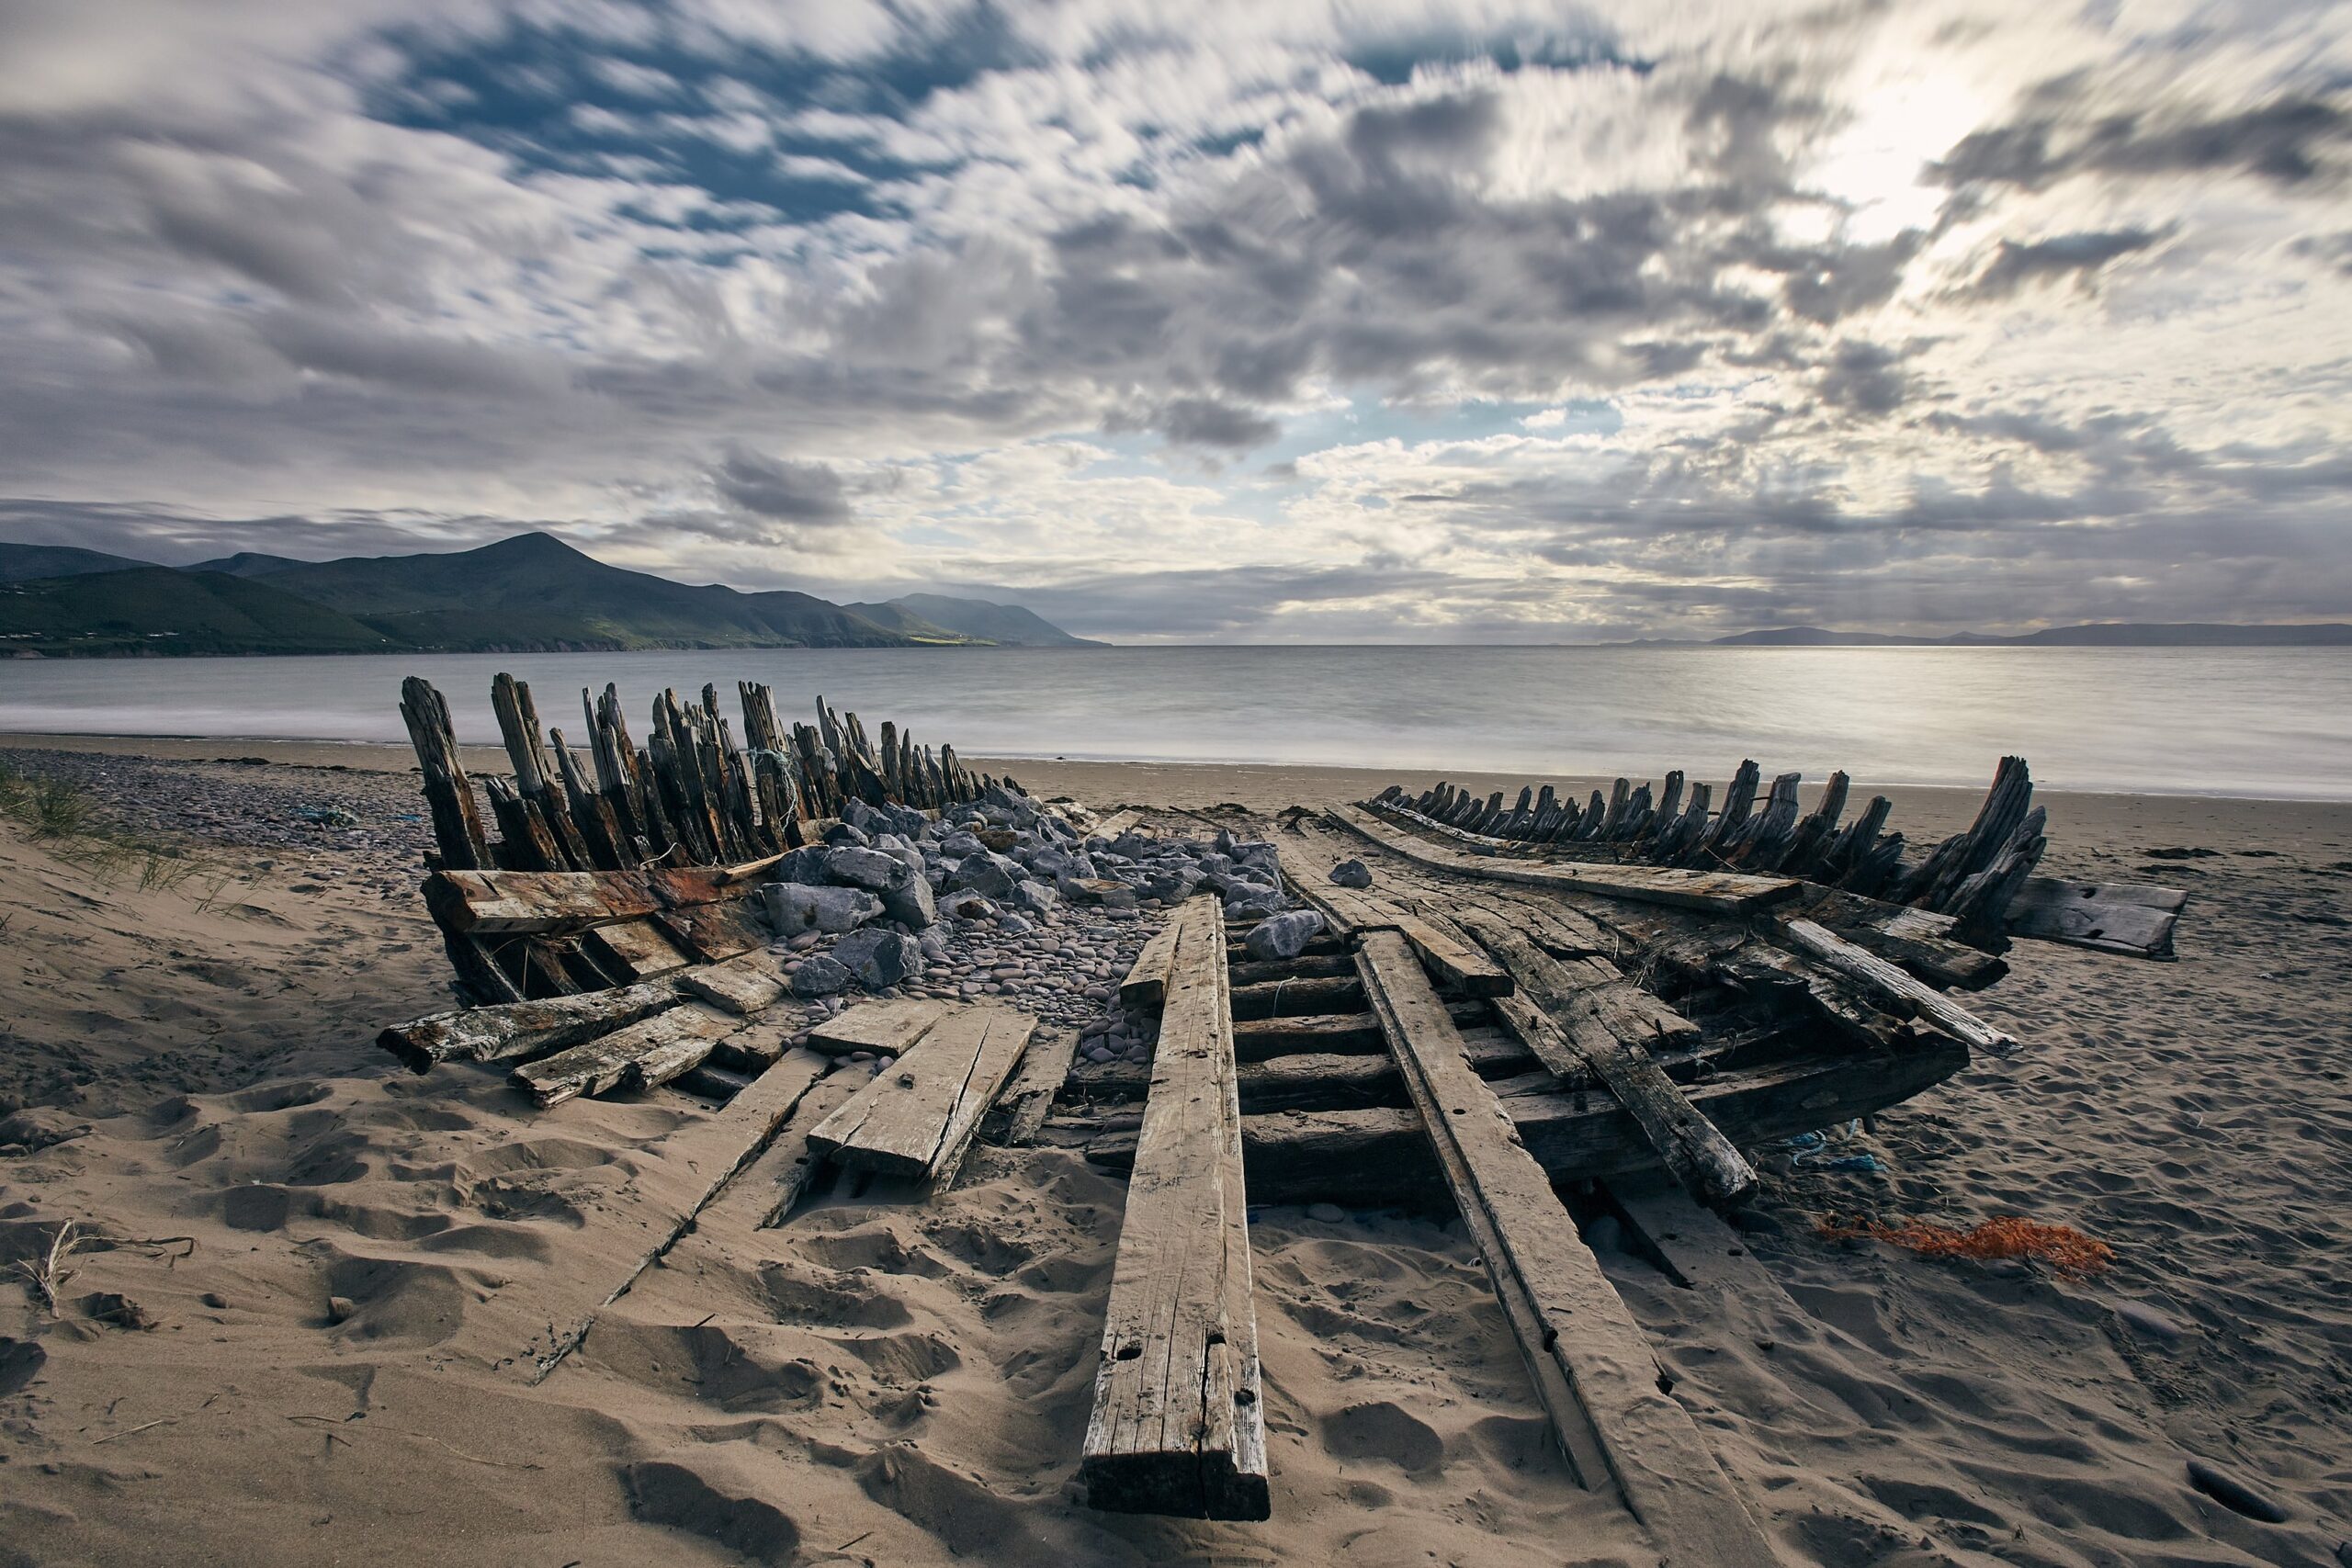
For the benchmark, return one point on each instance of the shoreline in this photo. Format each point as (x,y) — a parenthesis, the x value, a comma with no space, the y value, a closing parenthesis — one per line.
(192,1058)
(1087,777)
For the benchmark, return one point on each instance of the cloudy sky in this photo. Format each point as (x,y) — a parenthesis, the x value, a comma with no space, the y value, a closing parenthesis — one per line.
(1239,322)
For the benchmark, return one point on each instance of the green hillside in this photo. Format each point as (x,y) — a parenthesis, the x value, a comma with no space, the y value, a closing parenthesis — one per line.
(156,610)
(24,563)
(530,592)
(536,591)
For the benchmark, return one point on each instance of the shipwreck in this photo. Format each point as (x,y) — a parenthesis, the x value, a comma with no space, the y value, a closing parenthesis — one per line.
(1531,1012)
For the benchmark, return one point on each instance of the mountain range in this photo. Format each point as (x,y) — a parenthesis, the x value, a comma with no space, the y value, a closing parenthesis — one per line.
(529,592)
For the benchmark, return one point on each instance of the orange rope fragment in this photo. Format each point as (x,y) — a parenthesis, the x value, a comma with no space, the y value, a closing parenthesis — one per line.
(2063,1247)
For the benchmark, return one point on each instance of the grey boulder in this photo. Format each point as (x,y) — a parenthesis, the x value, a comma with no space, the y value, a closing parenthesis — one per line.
(820,976)
(1352,874)
(966,905)
(913,906)
(1282,936)
(878,958)
(878,871)
(990,874)
(797,907)
(806,863)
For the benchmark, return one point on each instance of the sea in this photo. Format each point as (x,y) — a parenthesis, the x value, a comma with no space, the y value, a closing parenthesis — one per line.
(2272,723)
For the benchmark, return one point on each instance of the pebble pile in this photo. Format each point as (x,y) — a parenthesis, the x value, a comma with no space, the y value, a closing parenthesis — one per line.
(1000,898)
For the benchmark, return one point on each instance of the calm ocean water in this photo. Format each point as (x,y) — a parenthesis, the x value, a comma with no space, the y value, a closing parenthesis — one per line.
(2269,722)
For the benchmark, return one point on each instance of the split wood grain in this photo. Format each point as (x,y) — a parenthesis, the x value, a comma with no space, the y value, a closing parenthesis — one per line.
(1146,985)
(685,1172)
(1603,1034)
(1178,1425)
(1885,980)
(1380,1155)
(635,950)
(916,1118)
(601,1065)
(743,986)
(521,1029)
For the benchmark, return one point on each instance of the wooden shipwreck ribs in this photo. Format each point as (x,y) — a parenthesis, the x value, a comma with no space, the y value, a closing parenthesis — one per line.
(689,797)
(1538,1014)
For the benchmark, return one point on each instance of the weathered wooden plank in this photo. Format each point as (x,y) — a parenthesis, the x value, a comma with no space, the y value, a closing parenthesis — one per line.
(1456,964)
(1612,1044)
(1118,822)
(1147,980)
(635,950)
(1563,1307)
(1274,998)
(1885,980)
(541,902)
(603,1064)
(685,1173)
(1029,1097)
(714,932)
(1720,892)
(521,1029)
(886,1029)
(1178,1425)
(1307,966)
(743,986)
(916,1117)
(2108,917)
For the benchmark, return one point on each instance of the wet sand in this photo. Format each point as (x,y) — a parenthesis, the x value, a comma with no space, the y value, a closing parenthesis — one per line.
(336,1372)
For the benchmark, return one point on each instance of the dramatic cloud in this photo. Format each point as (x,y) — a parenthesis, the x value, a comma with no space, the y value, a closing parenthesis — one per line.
(1481,320)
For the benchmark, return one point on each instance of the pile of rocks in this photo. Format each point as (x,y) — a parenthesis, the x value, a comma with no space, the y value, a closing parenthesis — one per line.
(1001,897)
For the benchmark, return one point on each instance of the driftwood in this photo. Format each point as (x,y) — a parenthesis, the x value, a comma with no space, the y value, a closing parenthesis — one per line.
(1178,1425)
(521,1029)
(1377,1155)
(715,1149)
(1982,878)
(1721,893)
(2112,917)
(1886,981)
(884,1028)
(602,1065)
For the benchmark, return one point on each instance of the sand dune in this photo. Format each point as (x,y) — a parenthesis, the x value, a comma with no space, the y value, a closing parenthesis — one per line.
(341,1368)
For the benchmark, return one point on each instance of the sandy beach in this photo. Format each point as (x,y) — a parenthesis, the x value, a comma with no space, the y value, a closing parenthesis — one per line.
(306,1335)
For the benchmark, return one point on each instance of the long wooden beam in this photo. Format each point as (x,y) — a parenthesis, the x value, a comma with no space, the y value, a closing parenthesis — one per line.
(1178,1425)
(1723,893)
(1562,1308)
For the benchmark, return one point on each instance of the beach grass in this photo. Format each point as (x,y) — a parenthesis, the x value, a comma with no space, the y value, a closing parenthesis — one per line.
(65,816)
